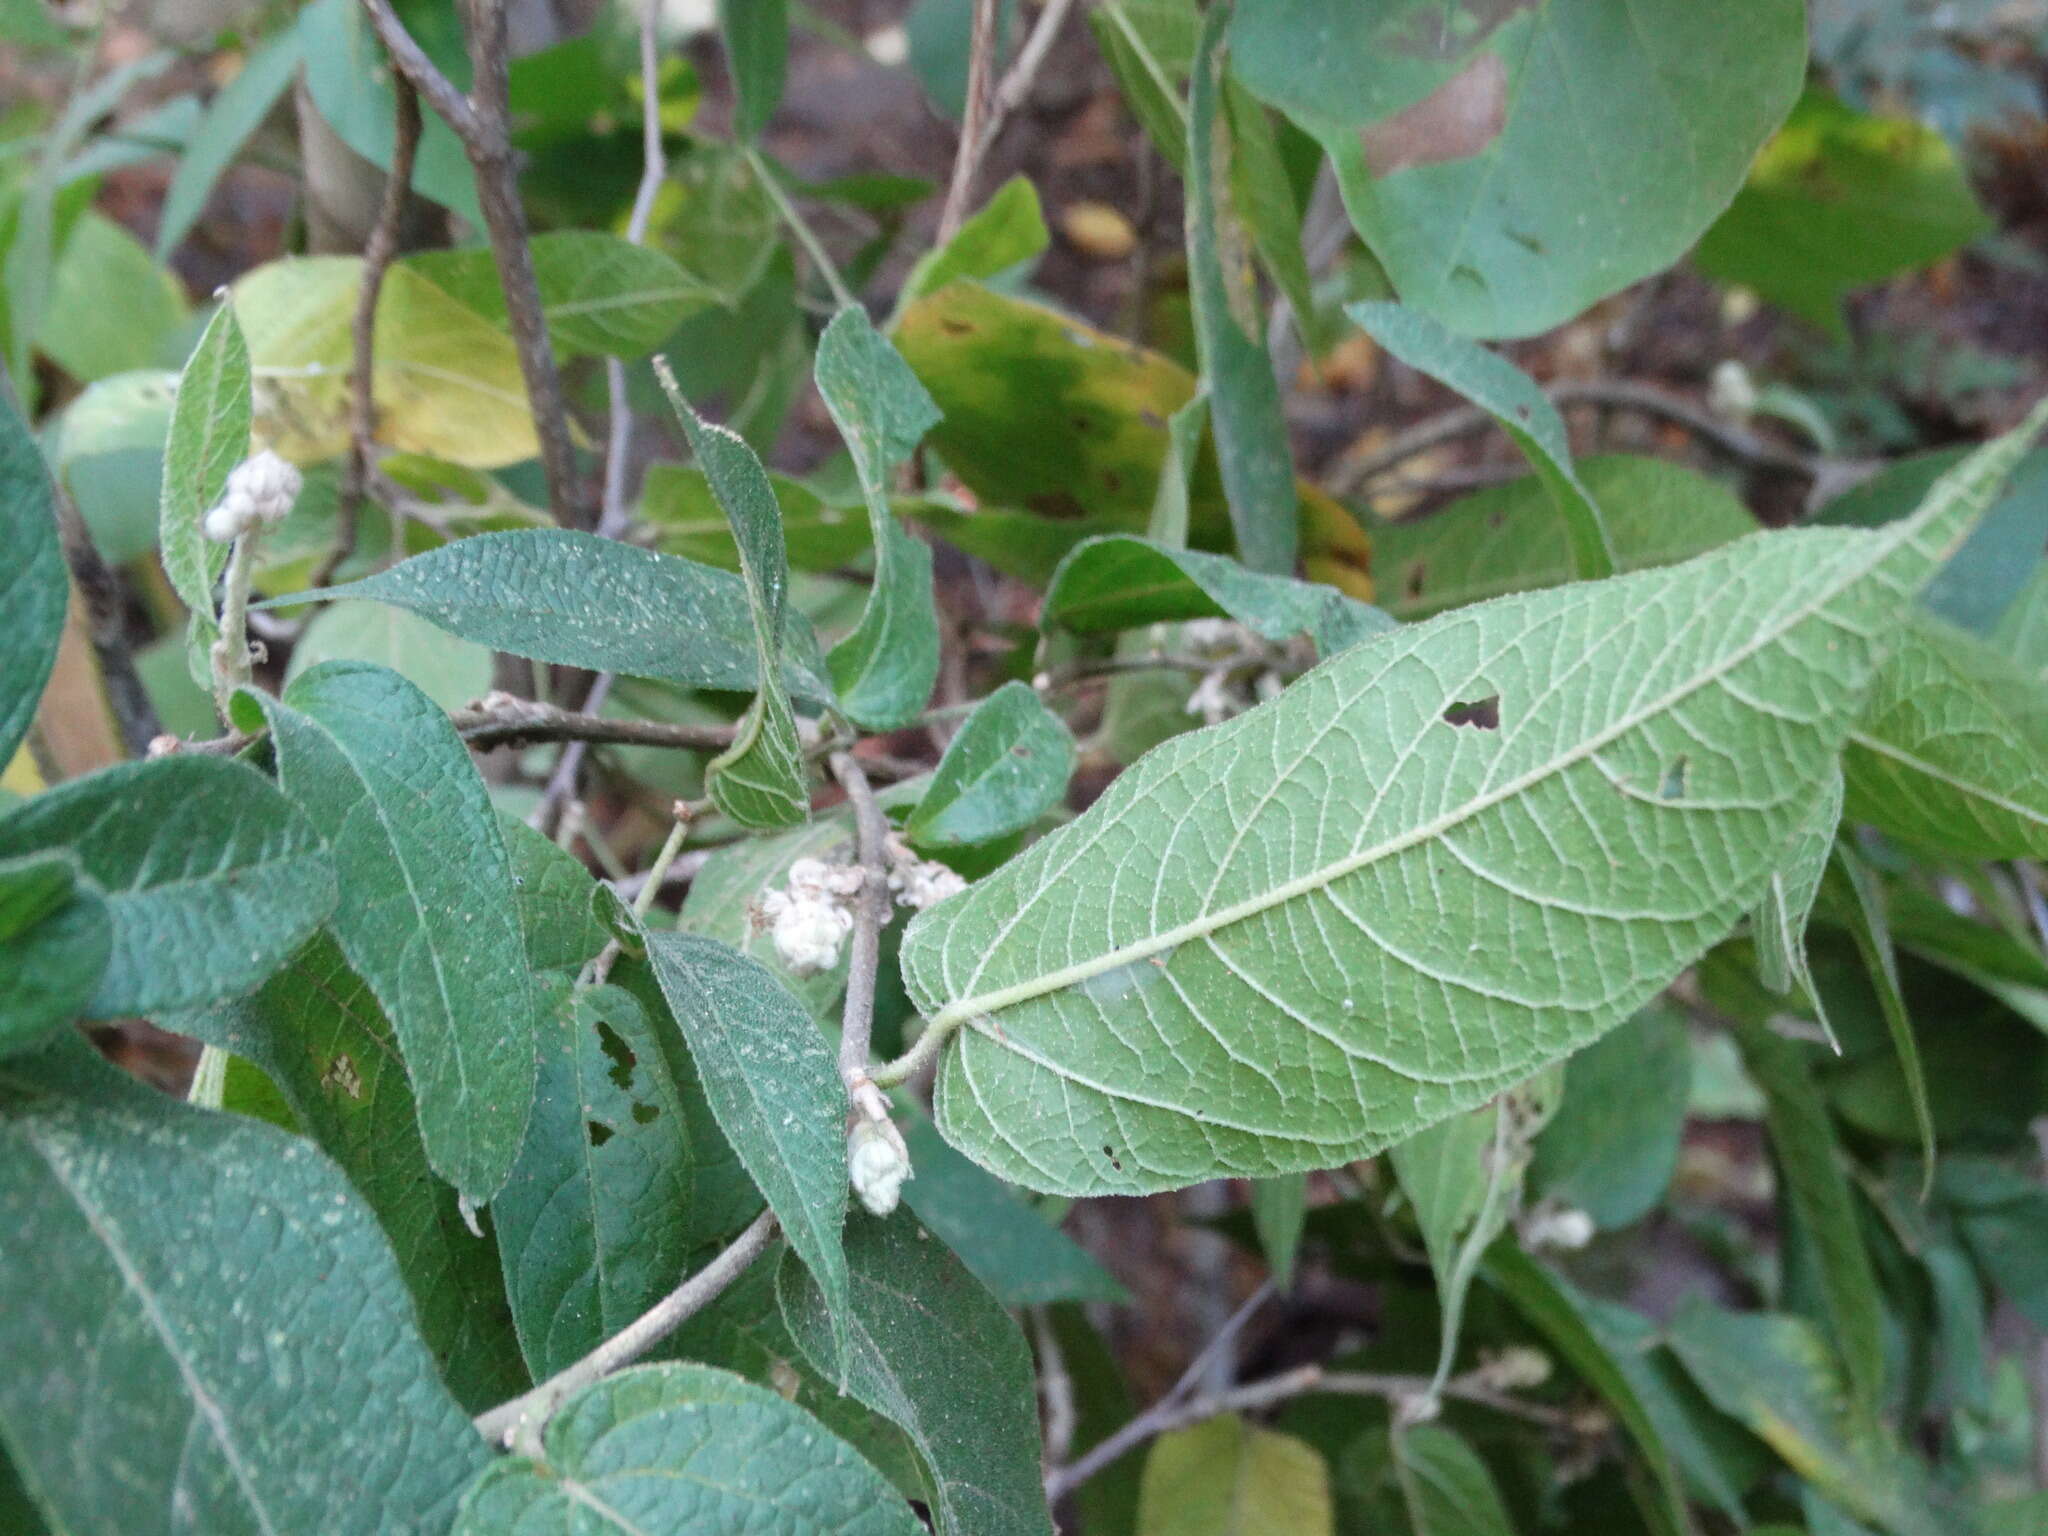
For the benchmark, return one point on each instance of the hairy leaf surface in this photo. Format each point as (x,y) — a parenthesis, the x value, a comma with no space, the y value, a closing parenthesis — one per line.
(1438,862)
(209,436)
(54,942)
(1005,767)
(35,589)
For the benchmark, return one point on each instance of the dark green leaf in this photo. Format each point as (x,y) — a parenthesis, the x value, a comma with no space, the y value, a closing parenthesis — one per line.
(54,943)
(316,1032)
(1445,1485)
(928,1347)
(684,1450)
(1108,1501)
(1265,201)
(1507,394)
(209,437)
(211,877)
(757,44)
(1245,415)
(36,589)
(1149,45)
(254,1365)
(426,914)
(567,917)
(1005,767)
(772,1083)
(576,600)
(885,669)
(1279,1209)
(1858,902)
(1612,1147)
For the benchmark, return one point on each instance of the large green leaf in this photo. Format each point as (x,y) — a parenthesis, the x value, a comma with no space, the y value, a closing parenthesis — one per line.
(684,1450)
(54,943)
(1446,1487)
(622,1181)
(1004,768)
(107,450)
(1952,750)
(929,1348)
(1511,397)
(1509,538)
(315,1029)
(211,877)
(209,436)
(565,916)
(449,671)
(1305,934)
(760,781)
(35,590)
(1245,415)
(1224,1477)
(576,600)
(770,1079)
(1839,200)
(885,669)
(426,914)
(1612,1147)
(685,519)
(204,1329)
(1512,164)
(111,308)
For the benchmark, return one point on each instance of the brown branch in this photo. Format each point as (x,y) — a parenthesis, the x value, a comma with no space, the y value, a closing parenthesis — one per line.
(981,51)
(503,721)
(870,915)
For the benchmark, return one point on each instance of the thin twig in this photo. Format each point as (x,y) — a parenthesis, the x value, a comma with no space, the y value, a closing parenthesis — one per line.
(378,252)
(107,627)
(528,1412)
(411,61)
(561,783)
(821,259)
(981,49)
(1023,73)
(1056,1387)
(870,915)
(503,721)
(653,167)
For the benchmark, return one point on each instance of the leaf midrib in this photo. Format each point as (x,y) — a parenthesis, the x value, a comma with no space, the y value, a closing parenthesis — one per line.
(1197,927)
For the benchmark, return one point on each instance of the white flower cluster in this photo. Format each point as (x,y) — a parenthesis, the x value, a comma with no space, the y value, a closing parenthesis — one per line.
(813,916)
(877,1163)
(1556,1226)
(919,883)
(260,492)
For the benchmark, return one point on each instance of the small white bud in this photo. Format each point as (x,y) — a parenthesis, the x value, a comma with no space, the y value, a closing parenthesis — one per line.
(267,484)
(1516,1369)
(226,523)
(1206,637)
(1550,1226)
(1213,699)
(808,933)
(876,1165)
(1731,392)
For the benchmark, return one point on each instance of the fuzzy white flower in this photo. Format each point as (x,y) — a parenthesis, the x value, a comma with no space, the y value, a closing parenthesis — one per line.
(260,493)
(1213,698)
(1551,1226)
(877,1163)
(811,919)
(1212,637)
(924,883)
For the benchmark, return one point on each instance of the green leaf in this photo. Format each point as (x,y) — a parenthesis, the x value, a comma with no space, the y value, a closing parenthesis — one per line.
(1264,199)
(567,918)
(107,449)
(209,437)
(316,1032)
(1245,415)
(1949,754)
(1134,1043)
(1224,1477)
(676,1450)
(757,45)
(623,1181)
(210,876)
(1120,581)
(1005,767)
(1005,232)
(1108,1501)
(308,1404)
(760,781)
(1149,46)
(1858,902)
(449,671)
(928,1348)
(54,943)
(1839,200)
(1779,922)
(602,296)
(1775,1374)
(1445,1485)
(769,1076)
(1509,538)
(231,118)
(1022,1258)
(575,600)
(730,886)
(1612,1147)
(885,669)
(678,508)
(1816,1188)
(1512,165)
(111,308)
(1511,397)
(426,914)
(36,589)
(1279,1211)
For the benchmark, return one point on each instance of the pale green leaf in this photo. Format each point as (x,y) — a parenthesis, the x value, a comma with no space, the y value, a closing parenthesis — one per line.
(111,308)
(36,588)
(1396,890)
(576,600)
(1245,415)
(1005,767)
(108,451)
(769,1076)
(684,1450)
(328,1053)
(1779,922)
(1224,1477)
(450,671)
(1279,1211)
(1511,397)
(426,914)
(210,876)
(54,943)
(885,669)
(1149,45)
(929,1348)
(1264,199)
(1510,165)
(209,436)
(1005,232)
(623,1182)
(757,46)
(1509,538)
(1447,1488)
(254,1364)
(231,118)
